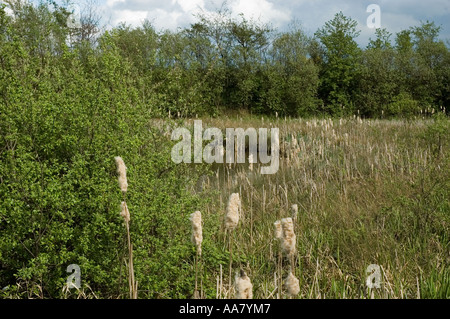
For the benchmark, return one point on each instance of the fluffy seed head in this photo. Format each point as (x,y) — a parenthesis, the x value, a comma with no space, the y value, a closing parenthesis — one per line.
(292,285)
(288,237)
(122,171)
(277,225)
(197,236)
(232,215)
(124,212)
(243,286)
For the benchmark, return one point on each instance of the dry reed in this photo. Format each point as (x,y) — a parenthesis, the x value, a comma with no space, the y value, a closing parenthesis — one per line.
(231,222)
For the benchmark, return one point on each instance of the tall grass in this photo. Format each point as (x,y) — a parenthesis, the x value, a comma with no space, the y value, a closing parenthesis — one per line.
(349,193)
(366,192)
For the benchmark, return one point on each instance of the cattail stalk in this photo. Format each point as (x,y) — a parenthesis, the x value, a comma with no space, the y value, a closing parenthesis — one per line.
(278,236)
(197,235)
(123,184)
(196,238)
(289,240)
(124,212)
(230,266)
(131,280)
(284,232)
(231,222)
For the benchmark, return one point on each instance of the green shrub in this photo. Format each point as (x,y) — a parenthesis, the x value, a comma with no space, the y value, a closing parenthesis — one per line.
(62,125)
(402,105)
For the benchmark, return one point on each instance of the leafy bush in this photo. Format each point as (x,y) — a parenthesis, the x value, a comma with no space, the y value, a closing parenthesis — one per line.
(436,134)
(402,105)
(62,123)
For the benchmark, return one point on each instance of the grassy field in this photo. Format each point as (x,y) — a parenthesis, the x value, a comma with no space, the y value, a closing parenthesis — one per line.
(368,192)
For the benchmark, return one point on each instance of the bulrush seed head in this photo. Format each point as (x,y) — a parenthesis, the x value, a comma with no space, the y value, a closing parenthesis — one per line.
(122,171)
(288,237)
(292,285)
(197,236)
(232,215)
(124,212)
(243,286)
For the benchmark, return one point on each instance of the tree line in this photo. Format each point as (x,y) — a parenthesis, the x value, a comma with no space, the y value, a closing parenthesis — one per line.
(222,63)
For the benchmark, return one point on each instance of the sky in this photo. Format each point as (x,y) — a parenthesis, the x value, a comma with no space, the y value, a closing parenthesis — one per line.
(395,15)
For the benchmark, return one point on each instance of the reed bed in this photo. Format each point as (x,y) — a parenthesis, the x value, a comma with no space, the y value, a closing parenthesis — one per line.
(351,192)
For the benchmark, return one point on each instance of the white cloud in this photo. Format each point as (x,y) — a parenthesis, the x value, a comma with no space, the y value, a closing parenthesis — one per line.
(179,13)
(395,22)
(191,6)
(260,9)
(162,19)
(134,18)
